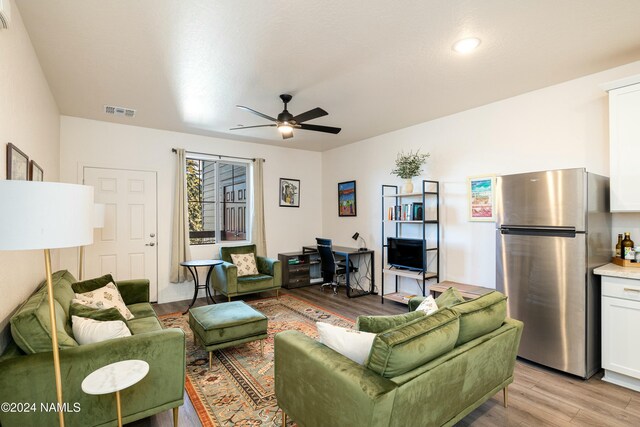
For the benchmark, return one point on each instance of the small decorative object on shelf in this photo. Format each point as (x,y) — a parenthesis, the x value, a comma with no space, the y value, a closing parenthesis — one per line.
(408,166)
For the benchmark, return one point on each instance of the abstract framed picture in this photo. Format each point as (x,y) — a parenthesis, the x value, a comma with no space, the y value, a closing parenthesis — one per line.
(481,191)
(289,193)
(35,172)
(347,198)
(17,163)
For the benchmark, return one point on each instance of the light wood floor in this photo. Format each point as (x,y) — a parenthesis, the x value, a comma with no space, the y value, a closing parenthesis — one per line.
(538,396)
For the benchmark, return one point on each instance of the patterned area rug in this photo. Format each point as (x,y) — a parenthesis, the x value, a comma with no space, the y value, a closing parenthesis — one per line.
(239,390)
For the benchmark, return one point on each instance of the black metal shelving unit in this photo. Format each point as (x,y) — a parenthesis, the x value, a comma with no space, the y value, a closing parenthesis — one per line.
(430,189)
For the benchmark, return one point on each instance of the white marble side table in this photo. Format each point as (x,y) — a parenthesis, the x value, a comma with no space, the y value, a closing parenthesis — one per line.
(115,377)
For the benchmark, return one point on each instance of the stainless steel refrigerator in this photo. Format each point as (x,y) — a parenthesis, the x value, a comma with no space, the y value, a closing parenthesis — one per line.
(553,229)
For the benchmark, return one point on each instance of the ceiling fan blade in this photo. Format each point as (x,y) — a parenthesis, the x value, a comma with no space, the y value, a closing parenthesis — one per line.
(317,128)
(287,135)
(257,126)
(257,113)
(310,115)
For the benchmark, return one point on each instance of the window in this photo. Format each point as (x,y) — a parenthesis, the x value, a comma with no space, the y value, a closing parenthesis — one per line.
(217,200)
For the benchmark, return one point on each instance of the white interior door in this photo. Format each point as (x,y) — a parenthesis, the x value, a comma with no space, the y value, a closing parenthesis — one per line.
(126,246)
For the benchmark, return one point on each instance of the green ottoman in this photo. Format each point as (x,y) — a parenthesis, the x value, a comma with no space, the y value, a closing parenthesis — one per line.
(226,325)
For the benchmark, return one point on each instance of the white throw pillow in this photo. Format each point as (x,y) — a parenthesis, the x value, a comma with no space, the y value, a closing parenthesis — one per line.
(87,331)
(105,297)
(246,264)
(428,305)
(355,345)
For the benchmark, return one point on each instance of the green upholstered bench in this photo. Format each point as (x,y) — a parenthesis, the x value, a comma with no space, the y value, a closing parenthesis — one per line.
(227,324)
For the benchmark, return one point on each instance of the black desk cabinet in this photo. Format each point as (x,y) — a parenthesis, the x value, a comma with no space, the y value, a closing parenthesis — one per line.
(296,269)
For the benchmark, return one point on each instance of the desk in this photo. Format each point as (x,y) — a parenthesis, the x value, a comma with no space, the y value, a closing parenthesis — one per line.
(192,266)
(360,277)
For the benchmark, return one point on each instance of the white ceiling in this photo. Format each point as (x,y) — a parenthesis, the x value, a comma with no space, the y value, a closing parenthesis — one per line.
(374,65)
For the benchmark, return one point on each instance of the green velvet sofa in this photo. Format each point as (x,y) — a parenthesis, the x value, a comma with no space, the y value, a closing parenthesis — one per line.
(225,276)
(422,371)
(26,370)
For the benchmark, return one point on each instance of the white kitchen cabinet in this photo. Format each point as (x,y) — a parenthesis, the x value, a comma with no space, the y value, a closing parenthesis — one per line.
(621,331)
(624,131)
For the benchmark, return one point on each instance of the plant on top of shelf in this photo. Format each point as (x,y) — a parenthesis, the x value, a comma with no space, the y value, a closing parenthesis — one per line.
(409,166)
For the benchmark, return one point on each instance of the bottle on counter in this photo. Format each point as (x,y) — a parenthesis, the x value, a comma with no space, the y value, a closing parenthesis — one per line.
(628,252)
(619,247)
(637,249)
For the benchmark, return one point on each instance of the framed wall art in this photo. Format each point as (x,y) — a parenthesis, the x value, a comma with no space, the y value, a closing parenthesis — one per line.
(289,193)
(347,198)
(481,191)
(35,172)
(17,163)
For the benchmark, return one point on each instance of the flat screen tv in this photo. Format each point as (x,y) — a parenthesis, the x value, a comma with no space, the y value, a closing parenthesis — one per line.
(405,253)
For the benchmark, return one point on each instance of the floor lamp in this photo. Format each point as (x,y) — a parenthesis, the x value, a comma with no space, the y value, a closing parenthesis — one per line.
(98,222)
(46,215)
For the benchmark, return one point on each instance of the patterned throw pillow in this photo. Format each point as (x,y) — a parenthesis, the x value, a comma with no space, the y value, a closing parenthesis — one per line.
(106,297)
(246,264)
(428,305)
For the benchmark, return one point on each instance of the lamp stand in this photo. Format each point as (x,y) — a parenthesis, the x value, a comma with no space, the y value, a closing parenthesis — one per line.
(81,264)
(363,248)
(54,335)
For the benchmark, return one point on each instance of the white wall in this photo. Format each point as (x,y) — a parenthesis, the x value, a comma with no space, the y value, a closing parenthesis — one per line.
(94,143)
(29,119)
(562,126)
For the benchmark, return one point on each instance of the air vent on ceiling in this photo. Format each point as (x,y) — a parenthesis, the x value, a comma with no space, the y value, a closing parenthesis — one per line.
(119,111)
(5,14)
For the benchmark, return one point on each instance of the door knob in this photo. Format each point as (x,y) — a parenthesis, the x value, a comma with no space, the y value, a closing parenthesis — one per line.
(150,244)
(152,235)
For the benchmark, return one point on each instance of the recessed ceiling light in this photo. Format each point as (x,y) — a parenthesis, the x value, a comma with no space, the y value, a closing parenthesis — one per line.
(466,45)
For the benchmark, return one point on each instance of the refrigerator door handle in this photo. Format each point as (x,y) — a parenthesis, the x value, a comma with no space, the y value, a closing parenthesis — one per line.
(538,231)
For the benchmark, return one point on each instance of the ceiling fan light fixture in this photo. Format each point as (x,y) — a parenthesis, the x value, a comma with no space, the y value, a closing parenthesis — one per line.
(285,128)
(466,45)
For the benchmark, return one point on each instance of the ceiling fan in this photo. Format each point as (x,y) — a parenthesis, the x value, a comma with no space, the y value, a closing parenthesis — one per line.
(286,122)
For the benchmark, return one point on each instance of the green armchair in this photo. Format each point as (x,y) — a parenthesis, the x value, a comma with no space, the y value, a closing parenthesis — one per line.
(225,276)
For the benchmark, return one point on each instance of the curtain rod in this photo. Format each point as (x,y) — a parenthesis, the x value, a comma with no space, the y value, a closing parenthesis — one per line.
(220,156)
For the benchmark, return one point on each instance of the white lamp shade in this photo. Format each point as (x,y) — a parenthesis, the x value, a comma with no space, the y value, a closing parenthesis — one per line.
(45,215)
(98,215)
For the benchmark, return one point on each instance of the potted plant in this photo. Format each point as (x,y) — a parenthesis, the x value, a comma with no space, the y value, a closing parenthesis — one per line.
(409,166)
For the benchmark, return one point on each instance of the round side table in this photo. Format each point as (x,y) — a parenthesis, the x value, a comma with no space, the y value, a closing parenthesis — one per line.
(115,377)
(192,266)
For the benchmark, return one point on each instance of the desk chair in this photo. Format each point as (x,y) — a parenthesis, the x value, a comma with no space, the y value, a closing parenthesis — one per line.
(332,270)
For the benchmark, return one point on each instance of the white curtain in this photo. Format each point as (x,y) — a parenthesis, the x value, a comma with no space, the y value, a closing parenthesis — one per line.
(180,250)
(258,236)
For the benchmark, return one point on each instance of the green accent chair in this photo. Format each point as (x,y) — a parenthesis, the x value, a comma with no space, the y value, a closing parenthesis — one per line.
(225,276)
(26,365)
(421,371)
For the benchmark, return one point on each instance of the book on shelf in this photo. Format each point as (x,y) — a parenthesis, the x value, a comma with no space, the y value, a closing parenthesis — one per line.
(417,211)
(406,212)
